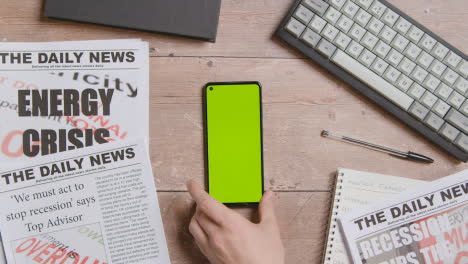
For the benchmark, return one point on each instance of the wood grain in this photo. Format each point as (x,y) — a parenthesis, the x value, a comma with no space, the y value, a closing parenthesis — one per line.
(297,106)
(300,99)
(245,27)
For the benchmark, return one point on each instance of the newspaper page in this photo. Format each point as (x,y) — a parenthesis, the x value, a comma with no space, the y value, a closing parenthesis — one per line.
(428,225)
(58,96)
(93,205)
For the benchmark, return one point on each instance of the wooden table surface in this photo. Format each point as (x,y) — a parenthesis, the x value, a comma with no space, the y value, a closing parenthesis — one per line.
(299,97)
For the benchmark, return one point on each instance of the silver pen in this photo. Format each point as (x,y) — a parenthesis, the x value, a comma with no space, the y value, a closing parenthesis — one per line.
(400,154)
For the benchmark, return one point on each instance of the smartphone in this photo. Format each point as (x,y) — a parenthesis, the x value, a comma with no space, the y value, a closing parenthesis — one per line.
(233,142)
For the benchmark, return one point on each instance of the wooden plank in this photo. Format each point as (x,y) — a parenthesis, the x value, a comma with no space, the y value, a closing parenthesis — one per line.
(245,27)
(302,217)
(297,106)
(296,156)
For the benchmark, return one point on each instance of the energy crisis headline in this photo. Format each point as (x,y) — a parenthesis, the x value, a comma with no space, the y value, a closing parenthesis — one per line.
(64,102)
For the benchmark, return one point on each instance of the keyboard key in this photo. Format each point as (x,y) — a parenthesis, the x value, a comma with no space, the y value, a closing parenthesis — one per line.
(462,142)
(317,24)
(449,132)
(379,66)
(310,37)
(461,85)
(439,51)
(330,32)
(394,57)
(362,17)
(404,83)
(337,3)
(456,99)
(332,15)
(437,68)
(344,24)
(372,80)
(390,17)
(295,27)
(463,68)
(424,60)
(377,9)
(419,74)
(443,91)
(416,90)
(399,43)
(326,48)
(318,6)
(457,119)
(412,51)
(427,43)
(428,99)
(431,83)
(369,40)
(357,32)
(406,66)
(449,77)
(350,9)
(440,108)
(375,26)
(418,110)
(354,49)
(391,74)
(414,34)
(303,14)
(364,3)
(367,58)
(452,60)
(464,108)
(382,49)
(387,34)
(402,26)
(433,121)
(342,41)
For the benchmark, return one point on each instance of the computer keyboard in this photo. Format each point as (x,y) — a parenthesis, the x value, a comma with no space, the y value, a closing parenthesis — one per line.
(390,58)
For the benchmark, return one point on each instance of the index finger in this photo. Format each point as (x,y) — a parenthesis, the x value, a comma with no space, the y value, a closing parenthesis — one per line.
(207,204)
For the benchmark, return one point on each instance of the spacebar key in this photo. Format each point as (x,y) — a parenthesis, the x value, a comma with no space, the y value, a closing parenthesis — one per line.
(373,80)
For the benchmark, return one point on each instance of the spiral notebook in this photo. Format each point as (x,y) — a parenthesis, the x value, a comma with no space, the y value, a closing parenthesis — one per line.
(354,189)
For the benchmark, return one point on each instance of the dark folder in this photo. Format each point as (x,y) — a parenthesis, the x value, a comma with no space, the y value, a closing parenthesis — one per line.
(191,18)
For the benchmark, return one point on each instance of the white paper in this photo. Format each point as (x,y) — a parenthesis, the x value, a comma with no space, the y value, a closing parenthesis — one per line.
(98,203)
(426,225)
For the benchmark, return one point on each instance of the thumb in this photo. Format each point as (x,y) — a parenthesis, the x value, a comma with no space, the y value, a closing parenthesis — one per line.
(266,208)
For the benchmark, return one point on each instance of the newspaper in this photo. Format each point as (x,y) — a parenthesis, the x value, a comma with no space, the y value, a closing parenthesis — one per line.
(58,96)
(94,205)
(428,225)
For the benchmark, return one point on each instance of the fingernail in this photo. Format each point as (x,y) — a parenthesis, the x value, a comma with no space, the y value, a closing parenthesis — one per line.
(269,195)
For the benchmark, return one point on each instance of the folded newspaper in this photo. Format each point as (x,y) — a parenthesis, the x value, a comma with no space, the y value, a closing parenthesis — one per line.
(95,205)
(427,225)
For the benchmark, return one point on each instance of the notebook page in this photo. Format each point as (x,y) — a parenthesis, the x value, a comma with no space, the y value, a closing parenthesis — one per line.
(355,189)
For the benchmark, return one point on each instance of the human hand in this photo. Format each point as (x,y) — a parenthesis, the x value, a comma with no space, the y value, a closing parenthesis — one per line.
(226,237)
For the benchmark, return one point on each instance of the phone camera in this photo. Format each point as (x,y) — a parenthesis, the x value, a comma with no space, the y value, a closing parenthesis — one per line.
(211,88)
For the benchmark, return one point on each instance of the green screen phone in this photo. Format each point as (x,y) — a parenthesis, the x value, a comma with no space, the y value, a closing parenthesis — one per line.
(233,130)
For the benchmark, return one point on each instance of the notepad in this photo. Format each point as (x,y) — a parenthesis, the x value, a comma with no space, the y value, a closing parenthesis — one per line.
(354,189)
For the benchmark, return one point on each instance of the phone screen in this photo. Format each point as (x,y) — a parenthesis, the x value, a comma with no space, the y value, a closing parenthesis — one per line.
(234,142)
